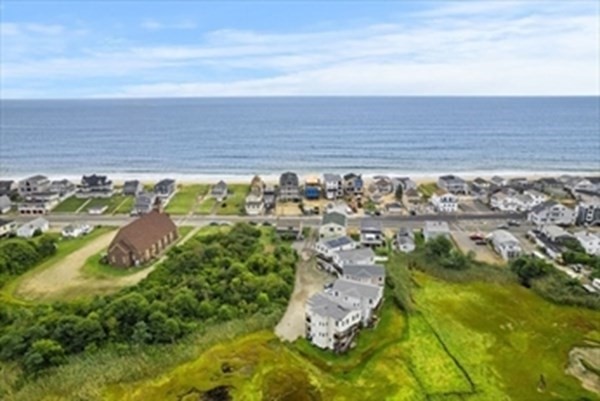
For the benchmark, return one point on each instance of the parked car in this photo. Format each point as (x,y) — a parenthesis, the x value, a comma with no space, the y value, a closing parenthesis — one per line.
(513,223)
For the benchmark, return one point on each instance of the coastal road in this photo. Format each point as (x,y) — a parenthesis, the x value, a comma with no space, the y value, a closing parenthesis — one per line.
(388,221)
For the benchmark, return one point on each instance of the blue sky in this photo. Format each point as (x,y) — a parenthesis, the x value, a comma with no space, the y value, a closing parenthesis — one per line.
(179,49)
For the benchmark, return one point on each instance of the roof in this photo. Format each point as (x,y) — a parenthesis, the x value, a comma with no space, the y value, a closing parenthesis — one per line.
(543,206)
(351,176)
(35,223)
(586,236)
(37,177)
(5,201)
(335,218)
(503,236)
(555,231)
(355,289)
(370,225)
(453,178)
(337,242)
(436,226)
(219,187)
(405,232)
(165,182)
(533,192)
(312,180)
(145,231)
(4,222)
(364,271)
(288,178)
(327,177)
(356,254)
(480,181)
(323,305)
(95,180)
(412,192)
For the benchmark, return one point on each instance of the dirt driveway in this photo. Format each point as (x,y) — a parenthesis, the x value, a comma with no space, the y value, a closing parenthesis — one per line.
(309,280)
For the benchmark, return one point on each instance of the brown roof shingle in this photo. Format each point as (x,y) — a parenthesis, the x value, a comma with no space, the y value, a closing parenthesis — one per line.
(142,233)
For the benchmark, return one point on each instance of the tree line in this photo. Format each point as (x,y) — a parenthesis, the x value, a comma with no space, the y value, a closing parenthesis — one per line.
(17,255)
(212,278)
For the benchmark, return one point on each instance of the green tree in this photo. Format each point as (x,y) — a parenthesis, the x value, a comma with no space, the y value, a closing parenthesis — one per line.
(528,268)
(438,247)
(141,333)
(43,354)
(399,192)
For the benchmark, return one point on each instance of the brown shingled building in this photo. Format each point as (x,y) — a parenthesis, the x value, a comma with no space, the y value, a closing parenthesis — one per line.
(142,240)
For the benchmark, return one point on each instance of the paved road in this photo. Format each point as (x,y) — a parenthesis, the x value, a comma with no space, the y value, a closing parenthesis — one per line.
(388,221)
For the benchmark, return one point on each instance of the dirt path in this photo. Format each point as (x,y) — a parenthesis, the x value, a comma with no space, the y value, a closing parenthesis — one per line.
(308,281)
(65,279)
(579,357)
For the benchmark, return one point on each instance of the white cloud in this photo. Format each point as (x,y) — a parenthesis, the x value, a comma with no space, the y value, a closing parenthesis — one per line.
(151,24)
(498,49)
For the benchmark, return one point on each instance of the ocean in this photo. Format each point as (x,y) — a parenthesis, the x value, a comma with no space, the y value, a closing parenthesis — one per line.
(244,136)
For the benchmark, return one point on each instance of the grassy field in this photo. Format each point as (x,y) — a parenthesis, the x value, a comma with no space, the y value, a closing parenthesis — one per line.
(185,198)
(427,189)
(234,204)
(69,205)
(114,203)
(125,206)
(206,206)
(65,247)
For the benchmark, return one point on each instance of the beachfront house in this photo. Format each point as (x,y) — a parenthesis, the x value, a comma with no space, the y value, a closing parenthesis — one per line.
(95,186)
(33,185)
(312,188)
(453,184)
(333,224)
(536,196)
(76,230)
(444,202)
(254,203)
(412,196)
(371,233)
(551,212)
(368,274)
(589,241)
(28,230)
(8,188)
(551,186)
(64,188)
(132,188)
(330,324)
(7,227)
(404,182)
(434,229)
(5,204)
(289,187)
(165,189)
(404,240)
(353,184)
(142,240)
(269,197)
(145,202)
(505,244)
(219,191)
(588,213)
(333,186)
(382,185)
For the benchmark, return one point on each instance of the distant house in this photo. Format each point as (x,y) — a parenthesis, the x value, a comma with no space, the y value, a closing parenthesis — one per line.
(505,244)
(28,230)
(555,234)
(404,241)
(7,227)
(8,187)
(519,183)
(33,184)
(551,212)
(371,233)
(412,195)
(269,197)
(498,181)
(5,204)
(365,297)
(289,187)
(330,324)
(589,241)
(369,274)
(353,184)
(588,213)
(434,229)
(289,229)
(76,230)
(33,207)
(312,188)
(333,186)
(95,186)
(506,200)
(64,188)
(358,256)
(444,202)
(254,202)
(453,184)
(164,190)
(381,185)
(333,224)
(219,191)
(327,247)
(404,182)
(132,188)
(551,186)
(141,240)
(394,207)
(480,183)
(537,196)
(145,202)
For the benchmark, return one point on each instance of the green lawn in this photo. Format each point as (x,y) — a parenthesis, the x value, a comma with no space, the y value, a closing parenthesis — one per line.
(185,198)
(69,205)
(64,248)
(427,190)
(234,204)
(206,206)
(116,203)
(125,206)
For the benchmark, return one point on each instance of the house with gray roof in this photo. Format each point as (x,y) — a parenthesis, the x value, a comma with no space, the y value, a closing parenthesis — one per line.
(362,296)
(453,184)
(435,229)
(353,184)
(219,191)
(8,187)
(95,186)
(505,244)
(145,202)
(165,189)
(29,229)
(64,188)
(551,212)
(289,187)
(370,274)
(404,240)
(333,224)
(371,233)
(33,184)
(327,247)
(7,227)
(132,188)
(358,256)
(333,186)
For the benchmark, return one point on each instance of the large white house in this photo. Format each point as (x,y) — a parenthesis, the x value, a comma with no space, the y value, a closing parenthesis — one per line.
(435,229)
(331,324)
(363,296)
(328,247)
(505,244)
(369,274)
(445,202)
(333,225)
(551,212)
(28,230)
(358,256)
(590,242)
